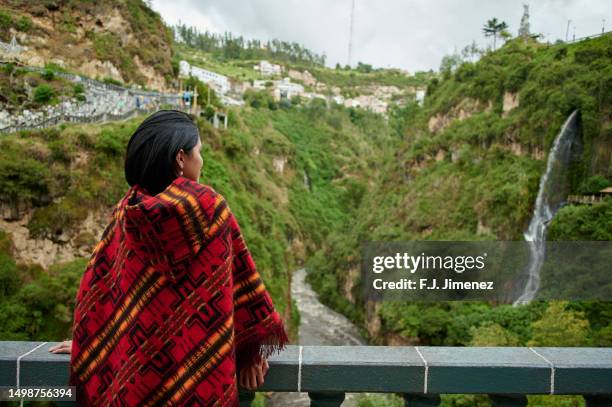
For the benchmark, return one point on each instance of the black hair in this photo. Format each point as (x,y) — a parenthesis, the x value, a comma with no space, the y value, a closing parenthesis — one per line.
(150,159)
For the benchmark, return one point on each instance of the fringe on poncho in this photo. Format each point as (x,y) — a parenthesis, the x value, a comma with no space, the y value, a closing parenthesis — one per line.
(171,304)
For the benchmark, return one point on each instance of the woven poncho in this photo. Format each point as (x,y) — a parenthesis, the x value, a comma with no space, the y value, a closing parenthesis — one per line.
(171,304)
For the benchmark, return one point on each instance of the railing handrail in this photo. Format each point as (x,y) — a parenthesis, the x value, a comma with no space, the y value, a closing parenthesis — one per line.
(94,82)
(384,369)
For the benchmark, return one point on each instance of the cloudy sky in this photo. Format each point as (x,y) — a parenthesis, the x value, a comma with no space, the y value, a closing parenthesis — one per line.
(408,34)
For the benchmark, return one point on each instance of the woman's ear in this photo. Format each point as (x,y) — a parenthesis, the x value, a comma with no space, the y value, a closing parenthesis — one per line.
(180,160)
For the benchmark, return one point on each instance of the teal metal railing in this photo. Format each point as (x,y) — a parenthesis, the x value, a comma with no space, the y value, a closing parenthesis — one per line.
(420,374)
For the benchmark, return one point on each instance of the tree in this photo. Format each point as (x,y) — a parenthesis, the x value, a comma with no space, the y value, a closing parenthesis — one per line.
(363,67)
(492,334)
(449,64)
(493,28)
(560,327)
(471,52)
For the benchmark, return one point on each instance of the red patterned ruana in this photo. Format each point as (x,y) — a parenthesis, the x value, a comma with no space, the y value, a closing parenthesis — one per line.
(171,304)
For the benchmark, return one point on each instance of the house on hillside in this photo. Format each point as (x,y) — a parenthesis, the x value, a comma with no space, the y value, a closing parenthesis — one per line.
(281,89)
(218,82)
(286,89)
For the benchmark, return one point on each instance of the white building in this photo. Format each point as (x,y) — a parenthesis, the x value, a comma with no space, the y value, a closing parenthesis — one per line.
(267,69)
(367,102)
(287,89)
(339,99)
(281,89)
(219,82)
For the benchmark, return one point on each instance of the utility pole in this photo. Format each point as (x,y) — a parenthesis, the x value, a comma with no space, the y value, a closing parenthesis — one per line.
(574,39)
(195,100)
(567,30)
(350,45)
(603,26)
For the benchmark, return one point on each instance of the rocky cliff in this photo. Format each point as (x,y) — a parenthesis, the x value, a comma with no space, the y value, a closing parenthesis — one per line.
(123,40)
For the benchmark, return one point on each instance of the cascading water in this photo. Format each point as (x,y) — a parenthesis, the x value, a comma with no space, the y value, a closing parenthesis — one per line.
(551,195)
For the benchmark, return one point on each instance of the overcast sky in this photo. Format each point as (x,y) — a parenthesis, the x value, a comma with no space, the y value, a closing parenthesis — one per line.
(408,34)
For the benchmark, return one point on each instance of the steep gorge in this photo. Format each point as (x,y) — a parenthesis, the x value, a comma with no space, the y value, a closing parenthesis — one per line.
(468,168)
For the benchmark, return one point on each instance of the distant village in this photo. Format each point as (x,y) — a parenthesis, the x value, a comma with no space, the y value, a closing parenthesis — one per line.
(283,84)
(375,98)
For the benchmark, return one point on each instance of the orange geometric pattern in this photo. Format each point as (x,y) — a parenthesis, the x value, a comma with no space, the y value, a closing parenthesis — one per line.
(171,304)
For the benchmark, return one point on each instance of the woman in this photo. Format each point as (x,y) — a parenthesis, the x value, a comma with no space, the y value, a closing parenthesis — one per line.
(171,305)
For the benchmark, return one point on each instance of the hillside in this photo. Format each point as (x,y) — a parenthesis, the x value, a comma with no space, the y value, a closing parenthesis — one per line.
(292,176)
(394,85)
(120,39)
(467,167)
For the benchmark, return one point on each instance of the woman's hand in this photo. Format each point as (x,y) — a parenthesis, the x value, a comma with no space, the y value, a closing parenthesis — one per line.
(253,377)
(64,347)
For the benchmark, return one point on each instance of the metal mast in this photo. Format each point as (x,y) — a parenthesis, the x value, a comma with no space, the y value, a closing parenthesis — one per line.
(350,44)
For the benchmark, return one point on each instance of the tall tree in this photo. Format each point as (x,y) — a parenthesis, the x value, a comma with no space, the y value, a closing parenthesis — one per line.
(493,28)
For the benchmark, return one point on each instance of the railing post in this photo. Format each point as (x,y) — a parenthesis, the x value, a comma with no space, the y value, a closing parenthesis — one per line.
(508,400)
(599,400)
(246,397)
(421,400)
(325,399)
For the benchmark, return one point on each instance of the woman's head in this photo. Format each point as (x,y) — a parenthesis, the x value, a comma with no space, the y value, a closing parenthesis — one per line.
(165,145)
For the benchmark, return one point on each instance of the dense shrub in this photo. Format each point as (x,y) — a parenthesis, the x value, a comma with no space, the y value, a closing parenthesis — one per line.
(43,93)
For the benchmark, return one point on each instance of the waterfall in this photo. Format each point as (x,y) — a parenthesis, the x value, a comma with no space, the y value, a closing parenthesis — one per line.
(551,195)
(307,181)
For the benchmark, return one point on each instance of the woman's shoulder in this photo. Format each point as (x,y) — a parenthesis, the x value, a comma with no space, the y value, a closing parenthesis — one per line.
(203,192)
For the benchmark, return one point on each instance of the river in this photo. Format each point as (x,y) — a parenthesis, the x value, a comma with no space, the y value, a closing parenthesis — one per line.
(319,325)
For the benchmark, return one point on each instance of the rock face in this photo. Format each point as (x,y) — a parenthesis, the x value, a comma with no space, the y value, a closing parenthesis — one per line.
(98,39)
(373,322)
(466,108)
(511,101)
(349,284)
(306,77)
(103,69)
(279,164)
(11,211)
(46,252)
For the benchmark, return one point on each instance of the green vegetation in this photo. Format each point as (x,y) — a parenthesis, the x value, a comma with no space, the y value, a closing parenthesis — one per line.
(46,88)
(235,69)
(228,47)
(10,19)
(274,208)
(493,28)
(360,77)
(43,94)
(149,44)
(207,97)
(35,303)
(466,180)
(586,222)
(351,81)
